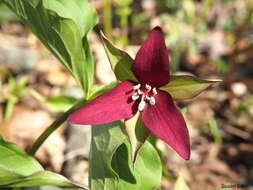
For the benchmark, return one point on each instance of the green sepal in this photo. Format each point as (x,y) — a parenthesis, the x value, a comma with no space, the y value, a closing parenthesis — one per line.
(137,133)
(120,61)
(185,87)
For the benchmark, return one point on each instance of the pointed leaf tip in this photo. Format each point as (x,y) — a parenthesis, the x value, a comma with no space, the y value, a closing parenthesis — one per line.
(185,87)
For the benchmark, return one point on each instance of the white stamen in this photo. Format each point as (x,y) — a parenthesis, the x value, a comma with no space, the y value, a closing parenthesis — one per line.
(152,100)
(135,97)
(148,87)
(154,91)
(136,87)
(147,97)
(141,105)
(139,92)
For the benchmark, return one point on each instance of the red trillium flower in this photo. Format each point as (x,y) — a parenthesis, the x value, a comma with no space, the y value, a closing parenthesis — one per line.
(157,109)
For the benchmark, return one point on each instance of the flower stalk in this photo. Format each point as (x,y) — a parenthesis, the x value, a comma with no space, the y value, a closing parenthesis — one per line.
(55,125)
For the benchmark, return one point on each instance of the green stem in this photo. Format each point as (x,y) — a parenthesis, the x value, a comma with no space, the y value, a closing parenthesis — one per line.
(57,123)
(9,108)
(108,18)
(124,26)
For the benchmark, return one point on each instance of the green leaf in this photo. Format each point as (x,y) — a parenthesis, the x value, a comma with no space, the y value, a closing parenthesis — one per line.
(185,87)
(215,131)
(123,167)
(106,139)
(111,165)
(149,167)
(145,174)
(121,62)
(6,15)
(16,89)
(60,103)
(62,26)
(18,169)
(222,66)
(180,184)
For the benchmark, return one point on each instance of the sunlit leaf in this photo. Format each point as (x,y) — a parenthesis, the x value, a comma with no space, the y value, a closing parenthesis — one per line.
(105,141)
(60,103)
(18,169)
(111,165)
(62,26)
(149,167)
(6,15)
(185,87)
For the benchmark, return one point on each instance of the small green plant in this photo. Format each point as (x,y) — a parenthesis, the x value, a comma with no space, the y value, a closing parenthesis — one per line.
(123,10)
(215,131)
(16,89)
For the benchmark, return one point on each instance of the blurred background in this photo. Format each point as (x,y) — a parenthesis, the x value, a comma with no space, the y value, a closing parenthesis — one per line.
(212,39)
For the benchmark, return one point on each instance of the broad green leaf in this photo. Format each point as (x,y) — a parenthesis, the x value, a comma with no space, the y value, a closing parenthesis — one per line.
(106,139)
(180,184)
(6,15)
(120,61)
(123,166)
(62,26)
(145,174)
(42,178)
(185,87)
(111,165)
(149,167)
(60,103)
(18,169)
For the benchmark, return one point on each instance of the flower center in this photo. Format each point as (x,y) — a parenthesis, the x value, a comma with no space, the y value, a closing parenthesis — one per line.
(146,93)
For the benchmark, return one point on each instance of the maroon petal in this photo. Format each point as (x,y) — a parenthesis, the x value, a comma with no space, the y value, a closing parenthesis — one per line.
(151,65)
(113,105)
(166,122)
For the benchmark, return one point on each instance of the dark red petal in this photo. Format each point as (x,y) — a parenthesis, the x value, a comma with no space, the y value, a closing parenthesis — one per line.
(151,65)
(166,122)
(114,104)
